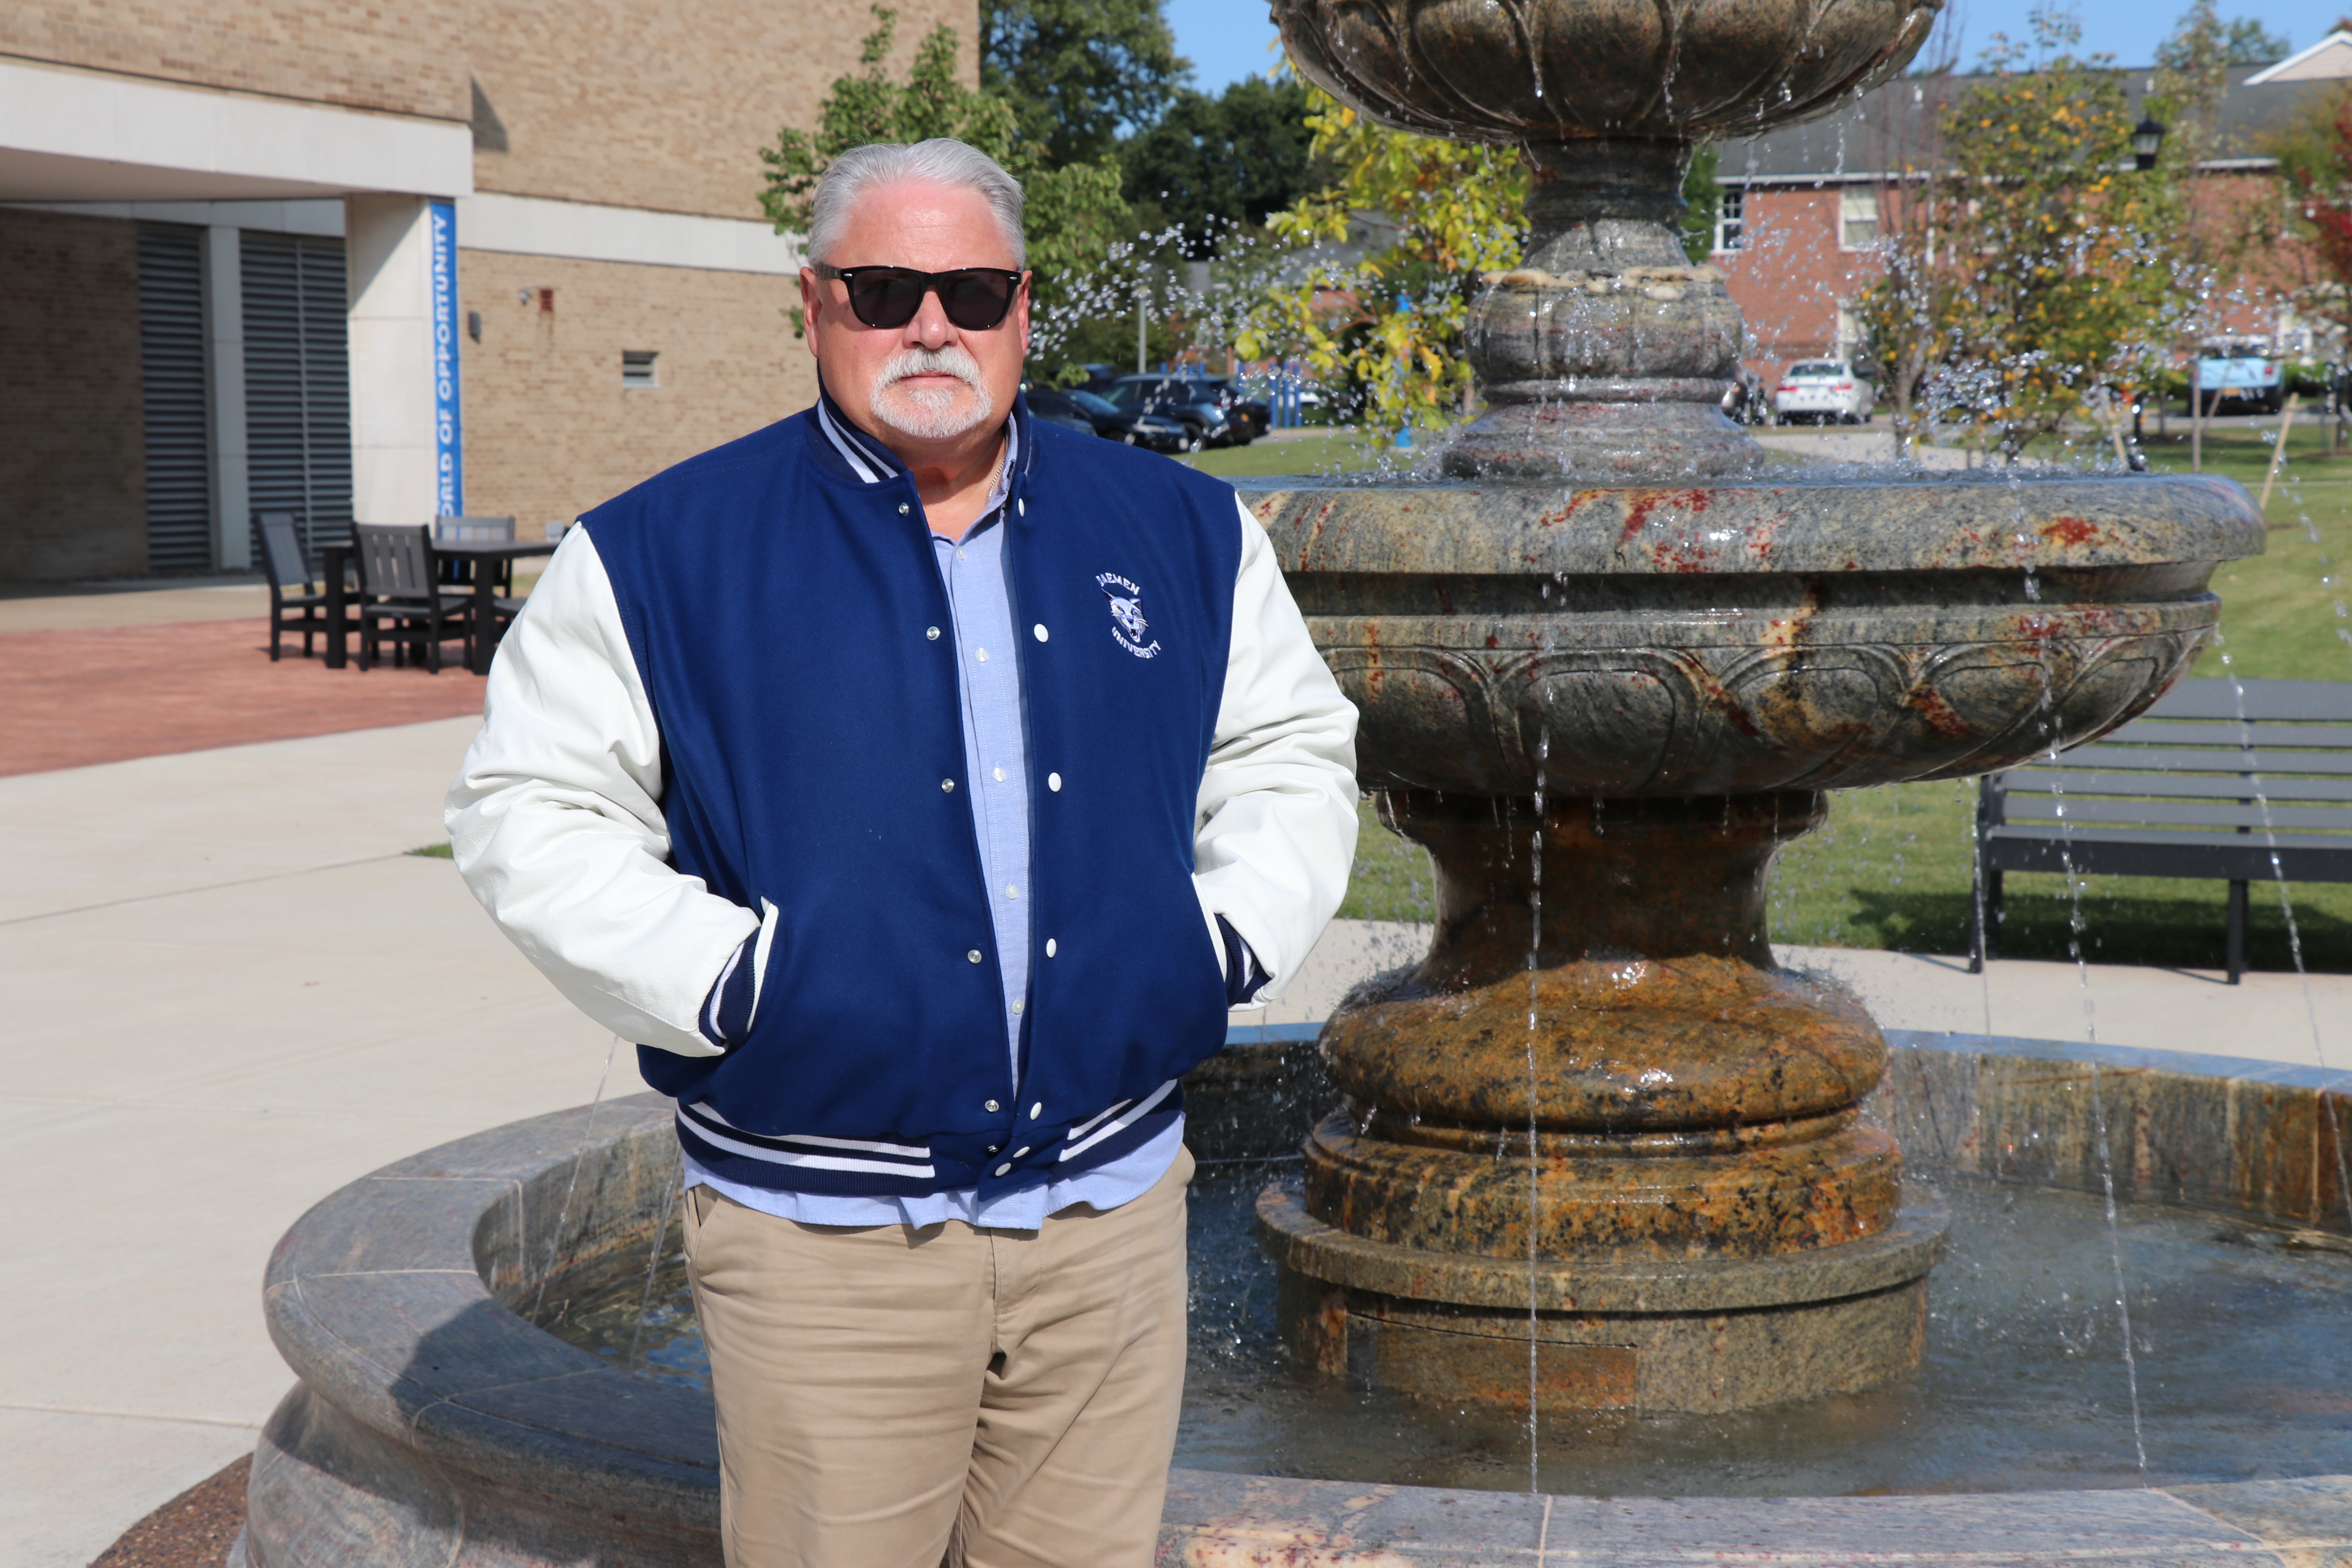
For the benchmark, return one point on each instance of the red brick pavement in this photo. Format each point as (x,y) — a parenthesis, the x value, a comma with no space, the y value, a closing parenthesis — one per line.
(71,698)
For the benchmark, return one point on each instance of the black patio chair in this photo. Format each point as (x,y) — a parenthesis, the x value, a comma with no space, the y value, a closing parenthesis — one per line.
(297,600)
(401,601)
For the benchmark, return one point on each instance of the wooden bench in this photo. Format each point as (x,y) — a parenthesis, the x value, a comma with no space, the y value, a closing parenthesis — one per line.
(2241,781)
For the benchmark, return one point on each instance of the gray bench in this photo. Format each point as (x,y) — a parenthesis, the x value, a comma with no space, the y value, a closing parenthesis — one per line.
(2237,782)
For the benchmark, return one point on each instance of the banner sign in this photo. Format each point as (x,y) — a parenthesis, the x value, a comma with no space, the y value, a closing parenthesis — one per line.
(448,425)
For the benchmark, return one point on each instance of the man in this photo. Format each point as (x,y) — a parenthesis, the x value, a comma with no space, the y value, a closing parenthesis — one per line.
(920,785)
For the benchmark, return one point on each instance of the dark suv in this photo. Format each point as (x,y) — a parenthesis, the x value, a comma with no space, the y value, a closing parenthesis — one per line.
(1202,406)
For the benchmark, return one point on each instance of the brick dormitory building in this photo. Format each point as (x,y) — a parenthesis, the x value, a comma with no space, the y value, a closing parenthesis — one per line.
(493,256)
(1803,206)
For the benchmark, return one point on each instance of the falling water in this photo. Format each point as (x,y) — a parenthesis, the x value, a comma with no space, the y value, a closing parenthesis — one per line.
(1535,946)
(571,1183)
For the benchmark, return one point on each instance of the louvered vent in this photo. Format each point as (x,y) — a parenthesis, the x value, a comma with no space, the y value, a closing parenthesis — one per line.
(297,398)
(172,362)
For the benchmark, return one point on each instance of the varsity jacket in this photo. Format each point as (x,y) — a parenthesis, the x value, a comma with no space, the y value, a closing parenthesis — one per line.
(728,713)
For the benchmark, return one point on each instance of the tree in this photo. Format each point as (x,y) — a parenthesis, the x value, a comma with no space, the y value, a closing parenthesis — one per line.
(1074,212)
(1074,71)
(1215,164)
(2314,155)
(1702,203)
(1389,322)
(2035,266)
(2200,40)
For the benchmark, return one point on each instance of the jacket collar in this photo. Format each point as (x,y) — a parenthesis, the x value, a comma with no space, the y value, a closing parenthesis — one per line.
(851,453)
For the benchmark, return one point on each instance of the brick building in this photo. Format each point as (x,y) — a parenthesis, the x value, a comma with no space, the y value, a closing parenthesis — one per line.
(385,263)
(1803,206)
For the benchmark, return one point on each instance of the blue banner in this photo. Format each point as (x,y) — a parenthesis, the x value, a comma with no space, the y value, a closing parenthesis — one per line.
(448,422)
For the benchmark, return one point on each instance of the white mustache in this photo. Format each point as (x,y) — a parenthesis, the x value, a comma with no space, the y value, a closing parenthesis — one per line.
(929,414)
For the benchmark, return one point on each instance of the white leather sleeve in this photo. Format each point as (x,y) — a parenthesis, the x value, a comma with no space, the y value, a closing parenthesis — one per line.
(1274,836)
(556,821)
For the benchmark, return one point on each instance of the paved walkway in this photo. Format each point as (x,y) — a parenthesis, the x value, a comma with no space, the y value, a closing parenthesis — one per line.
(91,679)
(229,991)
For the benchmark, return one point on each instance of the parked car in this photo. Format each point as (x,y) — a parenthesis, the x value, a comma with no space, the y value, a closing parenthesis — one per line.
(1822,391)
(1078,410)
(1188,400)
(1244,411)
(2239,371)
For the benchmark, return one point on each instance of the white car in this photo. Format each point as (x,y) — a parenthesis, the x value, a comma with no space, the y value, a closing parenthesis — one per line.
(1822,391)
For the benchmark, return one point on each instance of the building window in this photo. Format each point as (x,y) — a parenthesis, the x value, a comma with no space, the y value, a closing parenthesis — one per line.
(1731,219)
(637,367)
(1857,217)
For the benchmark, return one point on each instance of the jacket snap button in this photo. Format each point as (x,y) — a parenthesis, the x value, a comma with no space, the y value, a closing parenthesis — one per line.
(1037,1110)
(1003,1170)
(902,509)
(990,1105)
(1049,947)
(974,955)
(932,633)
(1021,1153)
(1053,783)
(947,785)
(1040,629)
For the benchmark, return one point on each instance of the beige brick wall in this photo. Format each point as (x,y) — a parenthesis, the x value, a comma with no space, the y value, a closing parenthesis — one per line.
(408,58)
(73,466)
(664,103)
(549,430)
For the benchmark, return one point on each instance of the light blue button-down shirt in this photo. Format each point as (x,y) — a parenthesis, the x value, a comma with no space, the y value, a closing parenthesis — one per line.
(996,761)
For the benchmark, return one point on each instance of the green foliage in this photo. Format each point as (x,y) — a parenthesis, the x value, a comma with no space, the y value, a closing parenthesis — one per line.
(2201,40)
(1215,164)
(1390,322)
(2313,150)
(2030,266)
(1075,212)
(1702,198)
(1074,71)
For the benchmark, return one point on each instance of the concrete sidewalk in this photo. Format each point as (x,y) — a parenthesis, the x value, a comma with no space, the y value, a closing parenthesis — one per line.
(230,992)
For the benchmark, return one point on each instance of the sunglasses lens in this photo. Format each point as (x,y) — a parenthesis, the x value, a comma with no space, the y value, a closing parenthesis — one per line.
(976,301)
(886,299)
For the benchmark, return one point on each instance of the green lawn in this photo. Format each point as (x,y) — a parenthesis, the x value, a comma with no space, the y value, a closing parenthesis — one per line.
(1336,451)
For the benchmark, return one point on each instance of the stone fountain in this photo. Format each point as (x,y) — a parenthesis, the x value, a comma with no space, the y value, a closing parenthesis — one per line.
(1598,1150)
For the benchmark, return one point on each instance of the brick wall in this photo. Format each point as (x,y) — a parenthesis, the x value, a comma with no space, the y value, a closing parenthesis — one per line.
(1791,278)
(409,58)
(73,486)
(664,104)
(550,431)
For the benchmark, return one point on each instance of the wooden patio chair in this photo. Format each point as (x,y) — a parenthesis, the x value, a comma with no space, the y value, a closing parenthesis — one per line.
(401,601)
(297,600)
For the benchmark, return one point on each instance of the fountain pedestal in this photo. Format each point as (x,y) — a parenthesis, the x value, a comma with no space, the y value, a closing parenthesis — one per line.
(1598,1149)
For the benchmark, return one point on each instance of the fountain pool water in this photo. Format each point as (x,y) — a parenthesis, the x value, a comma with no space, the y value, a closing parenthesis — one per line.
(2021,1389)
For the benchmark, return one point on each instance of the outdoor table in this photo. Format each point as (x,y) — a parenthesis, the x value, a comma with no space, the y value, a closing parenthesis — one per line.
(484,552)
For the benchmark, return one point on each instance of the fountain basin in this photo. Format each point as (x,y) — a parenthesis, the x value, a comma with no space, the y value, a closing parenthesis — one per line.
(432,1423)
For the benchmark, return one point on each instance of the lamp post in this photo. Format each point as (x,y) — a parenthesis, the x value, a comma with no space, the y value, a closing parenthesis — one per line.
(2147,138)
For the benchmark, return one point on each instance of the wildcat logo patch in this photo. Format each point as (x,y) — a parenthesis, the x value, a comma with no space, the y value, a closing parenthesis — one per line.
(1127,626)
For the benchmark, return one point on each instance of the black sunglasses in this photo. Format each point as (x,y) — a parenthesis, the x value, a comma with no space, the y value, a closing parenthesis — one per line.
(976,298)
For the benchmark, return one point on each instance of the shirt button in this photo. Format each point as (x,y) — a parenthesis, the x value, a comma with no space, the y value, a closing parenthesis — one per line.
(1037,1110)
(1018,1005)
(958,551)
(1003,1170)
(1011,891)
(999,775)
(932,633)
(1040,629)
(1021,1153)
(974,955)
(990,1105)
(1053,783)
(1049,947)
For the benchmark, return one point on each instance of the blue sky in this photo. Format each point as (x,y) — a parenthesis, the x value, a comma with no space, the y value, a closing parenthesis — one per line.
(1227,39)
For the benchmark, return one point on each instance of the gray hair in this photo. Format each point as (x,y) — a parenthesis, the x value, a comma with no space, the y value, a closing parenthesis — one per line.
(941,161)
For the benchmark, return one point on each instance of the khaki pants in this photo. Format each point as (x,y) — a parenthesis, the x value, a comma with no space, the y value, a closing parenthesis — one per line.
(897,1398)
